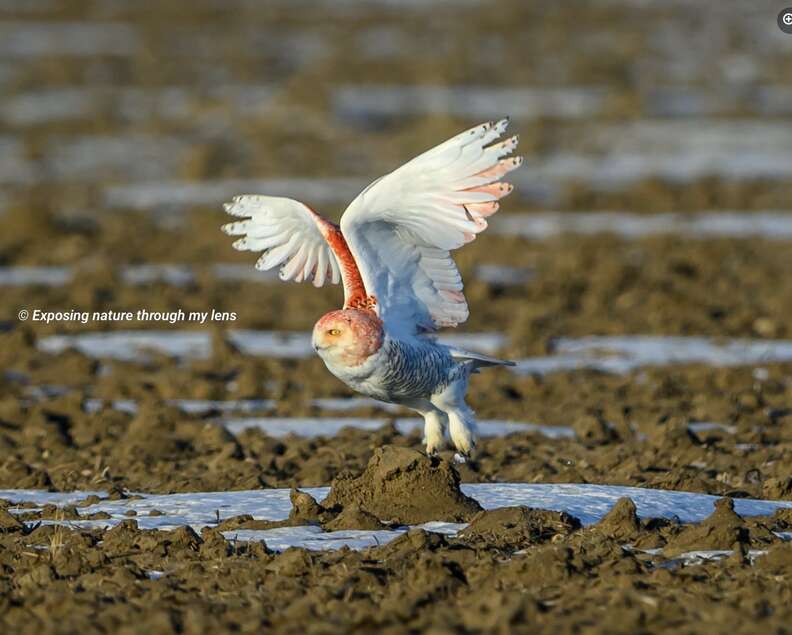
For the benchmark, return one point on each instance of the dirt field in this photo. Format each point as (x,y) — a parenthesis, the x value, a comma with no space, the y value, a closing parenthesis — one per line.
(124,125)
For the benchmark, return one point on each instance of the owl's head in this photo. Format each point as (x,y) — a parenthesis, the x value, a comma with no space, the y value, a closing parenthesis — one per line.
(347,336)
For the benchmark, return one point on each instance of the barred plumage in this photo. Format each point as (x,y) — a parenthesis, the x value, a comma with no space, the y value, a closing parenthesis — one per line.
(416,369)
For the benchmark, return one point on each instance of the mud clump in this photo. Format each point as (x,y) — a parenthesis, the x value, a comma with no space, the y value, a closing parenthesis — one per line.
(777,560)
(354,517)
(517,527)
(593,430)
(404,486)
(723,529)
(621,522)
(9,523)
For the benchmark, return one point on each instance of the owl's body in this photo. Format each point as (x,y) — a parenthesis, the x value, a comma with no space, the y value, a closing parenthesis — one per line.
(392,253)
(416,372)
(401,371)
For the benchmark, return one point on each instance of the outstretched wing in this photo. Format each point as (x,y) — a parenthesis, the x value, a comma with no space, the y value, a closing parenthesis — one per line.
(288,234)
(295,238)
(401,228)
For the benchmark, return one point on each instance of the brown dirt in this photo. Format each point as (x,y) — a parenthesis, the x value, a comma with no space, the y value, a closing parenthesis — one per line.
(512,569)
(399,486)
(404,486)
(53,444)
(515,528)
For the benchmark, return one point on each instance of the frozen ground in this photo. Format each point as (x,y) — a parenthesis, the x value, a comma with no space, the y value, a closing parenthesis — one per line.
(324,426)
(131,345)
(589,503)
(717,224)
(619,354)
(181,275)
(622,354)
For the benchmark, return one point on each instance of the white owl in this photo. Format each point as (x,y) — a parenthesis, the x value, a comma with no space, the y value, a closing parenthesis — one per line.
(392,253)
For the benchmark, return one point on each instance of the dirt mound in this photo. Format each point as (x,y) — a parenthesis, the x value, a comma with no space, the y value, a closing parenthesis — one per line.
(404,486)
(723,529)
(621,522)
(353,517)
(517,527)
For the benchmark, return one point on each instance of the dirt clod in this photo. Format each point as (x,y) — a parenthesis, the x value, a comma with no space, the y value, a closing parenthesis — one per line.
(621,522)
(400,485)
(517,527)
(723,529)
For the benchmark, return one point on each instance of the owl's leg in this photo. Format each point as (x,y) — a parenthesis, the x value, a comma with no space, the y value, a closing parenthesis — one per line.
(461,419)
(435,421)
(462,428)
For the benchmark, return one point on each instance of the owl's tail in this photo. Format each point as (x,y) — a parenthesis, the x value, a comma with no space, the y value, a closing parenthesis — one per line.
(478,360)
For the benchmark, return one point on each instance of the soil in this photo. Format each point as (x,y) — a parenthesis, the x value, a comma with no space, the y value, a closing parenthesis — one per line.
(514,569)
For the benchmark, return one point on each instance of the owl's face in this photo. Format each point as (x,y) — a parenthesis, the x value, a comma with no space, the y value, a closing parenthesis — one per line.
(347,337)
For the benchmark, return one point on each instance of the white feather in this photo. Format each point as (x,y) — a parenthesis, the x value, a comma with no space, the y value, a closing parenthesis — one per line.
(286,231)
(401,228)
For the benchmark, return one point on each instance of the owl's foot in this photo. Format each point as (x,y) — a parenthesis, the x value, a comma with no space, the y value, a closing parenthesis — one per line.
(433,431)
(462,428)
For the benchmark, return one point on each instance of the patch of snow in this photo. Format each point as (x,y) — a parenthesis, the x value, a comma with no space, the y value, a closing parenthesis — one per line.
(73,39)
(174,195)
(771,225)
(325,426)
(587,502)
(35,276)
(625,353)
(503,275)
(131,345)
(363,103)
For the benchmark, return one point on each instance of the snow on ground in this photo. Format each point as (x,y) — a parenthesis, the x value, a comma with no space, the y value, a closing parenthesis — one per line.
(132,345)
(326,426)
(616,354)
(771,225)
(625,353)
(589,503)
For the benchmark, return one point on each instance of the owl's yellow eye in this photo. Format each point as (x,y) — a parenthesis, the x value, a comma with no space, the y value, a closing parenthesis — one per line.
(334,332)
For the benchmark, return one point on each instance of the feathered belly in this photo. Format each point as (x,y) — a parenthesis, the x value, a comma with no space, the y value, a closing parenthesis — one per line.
(401,371)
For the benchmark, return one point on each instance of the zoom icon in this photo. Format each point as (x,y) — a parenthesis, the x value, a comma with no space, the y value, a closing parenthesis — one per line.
(785,20)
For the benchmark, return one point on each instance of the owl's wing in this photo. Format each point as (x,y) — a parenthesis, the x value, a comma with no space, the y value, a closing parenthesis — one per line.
(295,238)
(401,228)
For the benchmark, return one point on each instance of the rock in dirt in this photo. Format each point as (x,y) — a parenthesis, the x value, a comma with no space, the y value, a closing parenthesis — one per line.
(517,527)
(723,529)
(404,486)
